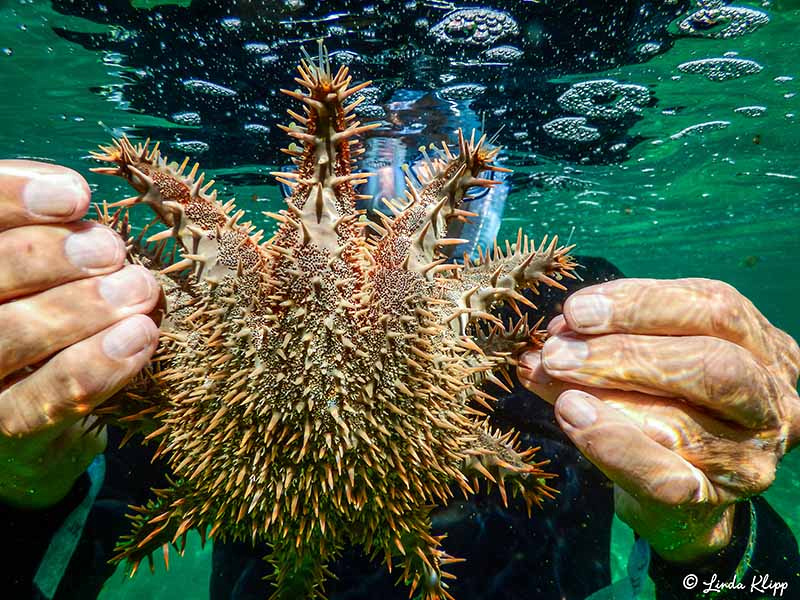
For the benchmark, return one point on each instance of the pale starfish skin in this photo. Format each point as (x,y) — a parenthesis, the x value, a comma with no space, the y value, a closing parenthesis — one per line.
(323,388)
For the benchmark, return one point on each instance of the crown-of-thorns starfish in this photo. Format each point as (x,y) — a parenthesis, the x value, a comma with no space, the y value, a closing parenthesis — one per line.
(323,387)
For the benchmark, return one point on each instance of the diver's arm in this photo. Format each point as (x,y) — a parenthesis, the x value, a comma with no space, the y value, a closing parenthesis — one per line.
(64,551)
(682,393)
(762,556)
(73,330)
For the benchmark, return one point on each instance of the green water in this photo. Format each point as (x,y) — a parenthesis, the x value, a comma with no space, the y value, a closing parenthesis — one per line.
(724,204)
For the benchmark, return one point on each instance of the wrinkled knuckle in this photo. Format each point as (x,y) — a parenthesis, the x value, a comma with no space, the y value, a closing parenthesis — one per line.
(668,494)
(727,307)
(790,353)
(80,390)
(79,384)
(763,475)
(722,372)
(13,428)
(627,350)
(722,290)
(17,420)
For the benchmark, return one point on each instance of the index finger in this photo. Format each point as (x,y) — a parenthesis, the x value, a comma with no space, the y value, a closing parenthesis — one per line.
(685,307)
(34,192)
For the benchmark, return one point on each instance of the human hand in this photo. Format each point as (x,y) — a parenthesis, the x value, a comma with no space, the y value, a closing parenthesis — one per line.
(681,392)
(73,329)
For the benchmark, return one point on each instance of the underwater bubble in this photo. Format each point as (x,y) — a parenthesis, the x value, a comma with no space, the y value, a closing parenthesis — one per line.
(502,54)
(476,26)
(337,31)
(186,118)
(721,69)
(605,98)
(722,22)
(371,94)
(7,51)
(751,111)
(370,111)
(462,91)
(557,181)
(571,128)
(257,48)
(256,128)
(783,79)
(191,146)
(649,48)
(700,129)
(344,57)
(230,23)
(206,87)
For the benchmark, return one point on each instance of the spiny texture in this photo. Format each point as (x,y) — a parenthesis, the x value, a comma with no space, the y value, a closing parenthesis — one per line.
(323,387)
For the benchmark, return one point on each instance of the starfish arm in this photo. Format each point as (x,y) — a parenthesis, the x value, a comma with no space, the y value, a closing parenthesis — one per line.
(504,342)
(497,458)
(416,239)
(299,571)
(211,240)
(160,523)
(501,276)
(423,559)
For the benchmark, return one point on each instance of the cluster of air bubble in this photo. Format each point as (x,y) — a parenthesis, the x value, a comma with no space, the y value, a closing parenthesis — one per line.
(369,107)
(208,89)
(721,69)
(649,48)
(186,118)
(750,111)
(479,26)
(557,181)
(502,54)
(462,91)
(574,129)
(605,99)
(715,20)
(193,147)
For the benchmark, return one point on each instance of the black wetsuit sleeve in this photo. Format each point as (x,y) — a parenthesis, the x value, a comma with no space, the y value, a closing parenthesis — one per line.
(761,560)
(28,534)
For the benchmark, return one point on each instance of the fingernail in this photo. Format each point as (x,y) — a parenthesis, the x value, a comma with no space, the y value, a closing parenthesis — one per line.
(128,286)
(94,248)
(54,195)
(590,310)
(531,365)
(563,353)
(128,338)
(556,324)
(575,409)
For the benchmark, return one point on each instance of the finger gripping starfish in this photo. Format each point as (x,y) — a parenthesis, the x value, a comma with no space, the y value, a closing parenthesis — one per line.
(323,387)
